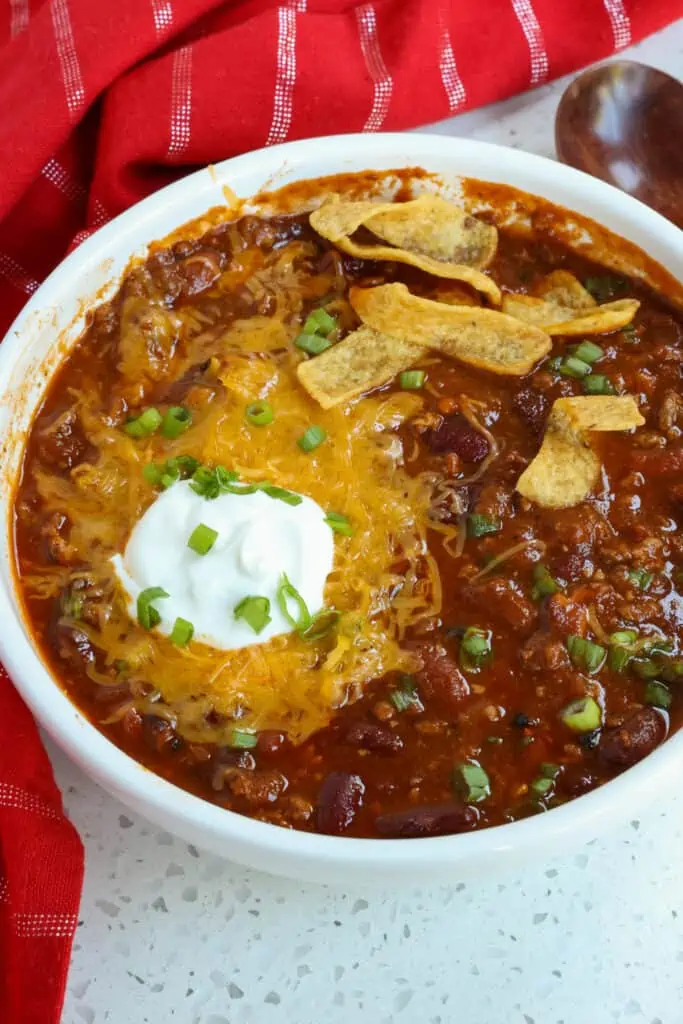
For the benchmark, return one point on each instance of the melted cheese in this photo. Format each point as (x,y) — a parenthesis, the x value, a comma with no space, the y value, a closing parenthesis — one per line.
(383,581)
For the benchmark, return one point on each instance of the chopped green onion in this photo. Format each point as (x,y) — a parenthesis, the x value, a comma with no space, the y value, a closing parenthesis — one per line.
(585,654)
(657,695)
(205,483)
(619,659)
(629,332)
(225,477)
(255,611)
(480,525)
(641,578)
(259,414)
(241,488)
(148,616)
(495,740)
(210,482)
(145,424)
(167,479)
(544,584)
(471,781)
(475,648)
(185,464)
(240,739)
(177,468)
(582,715)
(176,421)
(286,591)
(573,367)
(542,786)
(588,352)
(405,695)
(314,344)
(620,650)
(605,287)
(152,474)
(555,363)
(182,632)
(412,380)
(235,486)
(289,497)
(311,439)
(321,625)
(202,539)
(319,322)
(672,670)
(71,603)
(657,645)
(598,384)
(623,637)
(646,668)
(339,523)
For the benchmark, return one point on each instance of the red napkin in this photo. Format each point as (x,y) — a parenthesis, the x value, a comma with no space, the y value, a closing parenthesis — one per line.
(104,101)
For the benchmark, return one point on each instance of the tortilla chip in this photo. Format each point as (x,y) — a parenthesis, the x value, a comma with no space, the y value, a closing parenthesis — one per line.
(431,226)
(610,316)
(431,234)
(562,305)
(563,473)
(600,412)
(363,360)
(479,337)
(566,468)
(563,289)
(455,295)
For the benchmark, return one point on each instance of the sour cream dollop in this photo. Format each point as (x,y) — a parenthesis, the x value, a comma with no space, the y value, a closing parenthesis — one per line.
(259,539)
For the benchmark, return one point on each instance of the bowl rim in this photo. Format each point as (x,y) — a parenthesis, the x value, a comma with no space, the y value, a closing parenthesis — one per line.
(137,785)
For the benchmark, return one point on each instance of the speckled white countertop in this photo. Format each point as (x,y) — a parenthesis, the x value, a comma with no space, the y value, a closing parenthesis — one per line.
(171,935)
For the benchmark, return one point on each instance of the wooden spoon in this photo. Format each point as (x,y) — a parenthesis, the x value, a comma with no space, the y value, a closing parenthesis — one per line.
(623,122)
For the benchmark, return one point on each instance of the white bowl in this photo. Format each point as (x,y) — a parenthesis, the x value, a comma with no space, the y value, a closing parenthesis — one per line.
(52,321)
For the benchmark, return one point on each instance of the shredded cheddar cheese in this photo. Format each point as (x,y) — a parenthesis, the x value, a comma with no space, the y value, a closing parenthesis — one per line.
(384,580)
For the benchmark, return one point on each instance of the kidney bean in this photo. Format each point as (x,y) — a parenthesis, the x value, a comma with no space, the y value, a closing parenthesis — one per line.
(339,800)
(576,779)
(532,408)
(456,434)
(270,742)
(634,739)
(157,732)
(440,678)
(431,820)
(231,757)
(377,738)
(75,647)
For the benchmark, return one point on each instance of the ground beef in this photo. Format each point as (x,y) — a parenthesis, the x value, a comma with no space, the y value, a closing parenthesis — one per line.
(504,599)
